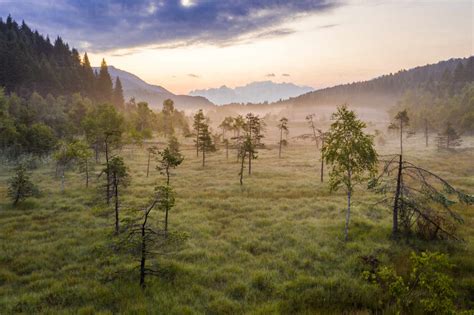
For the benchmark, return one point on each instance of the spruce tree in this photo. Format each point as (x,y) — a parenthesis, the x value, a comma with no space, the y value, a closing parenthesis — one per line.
(104,84)
(118,94)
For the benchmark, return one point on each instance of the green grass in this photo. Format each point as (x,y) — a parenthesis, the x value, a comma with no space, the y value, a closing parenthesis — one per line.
(272,246)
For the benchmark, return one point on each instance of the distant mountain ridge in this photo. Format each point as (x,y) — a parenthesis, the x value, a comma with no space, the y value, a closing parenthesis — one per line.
(385,90)
(254,92)
(154,95)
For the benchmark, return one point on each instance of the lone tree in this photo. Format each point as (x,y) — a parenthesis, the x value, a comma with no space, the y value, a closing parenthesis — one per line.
(20,186)
(118,173)
(351,154)
(199,122)
(283,127)
(169,158)
(317,136)
(147,241)
(401,121)
(152,151)
(420,200)
(253,136)
(205,142)
(226,125)
(449,138)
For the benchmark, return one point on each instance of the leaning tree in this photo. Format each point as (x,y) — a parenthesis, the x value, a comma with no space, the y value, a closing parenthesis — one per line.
(420,200)
(351,154)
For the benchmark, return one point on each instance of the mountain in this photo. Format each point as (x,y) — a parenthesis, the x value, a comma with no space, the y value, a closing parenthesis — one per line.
(154,95)
(255,92)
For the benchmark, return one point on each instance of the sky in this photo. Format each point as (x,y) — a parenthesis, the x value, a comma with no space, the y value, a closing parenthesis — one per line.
(184,45)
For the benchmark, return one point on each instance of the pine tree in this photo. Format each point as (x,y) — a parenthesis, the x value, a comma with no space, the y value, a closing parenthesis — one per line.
(205,142)
(199,120)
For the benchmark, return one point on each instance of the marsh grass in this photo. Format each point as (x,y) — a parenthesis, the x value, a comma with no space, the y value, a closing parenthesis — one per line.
(274,245)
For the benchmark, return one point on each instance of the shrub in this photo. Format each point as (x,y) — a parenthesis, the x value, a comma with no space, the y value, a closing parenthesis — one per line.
(20,187)
(427,288)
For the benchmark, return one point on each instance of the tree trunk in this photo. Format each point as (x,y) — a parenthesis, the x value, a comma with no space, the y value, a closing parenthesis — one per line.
(117,227)
(401,137)
(227,150)
(166,221)
(167,175)
(250,163)
(143,259)
(108,172)
(242,170)
(203,157)
(281,137)
(197,143)
(322,169)
(396,200)
(348,216)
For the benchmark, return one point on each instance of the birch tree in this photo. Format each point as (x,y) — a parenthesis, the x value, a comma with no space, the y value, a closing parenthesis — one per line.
(351,154)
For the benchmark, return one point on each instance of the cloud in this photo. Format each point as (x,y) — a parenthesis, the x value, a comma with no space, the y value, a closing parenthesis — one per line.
(285,75)
(328,26)
(121,24)
(270,75)
(192,75)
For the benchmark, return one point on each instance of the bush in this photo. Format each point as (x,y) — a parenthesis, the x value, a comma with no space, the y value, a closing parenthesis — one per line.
(427,288)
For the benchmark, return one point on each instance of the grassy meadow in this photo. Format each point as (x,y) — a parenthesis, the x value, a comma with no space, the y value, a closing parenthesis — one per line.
(274,245)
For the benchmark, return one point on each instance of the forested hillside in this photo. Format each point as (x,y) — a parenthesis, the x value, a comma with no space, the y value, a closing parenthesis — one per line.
(386,90)
(49,94)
